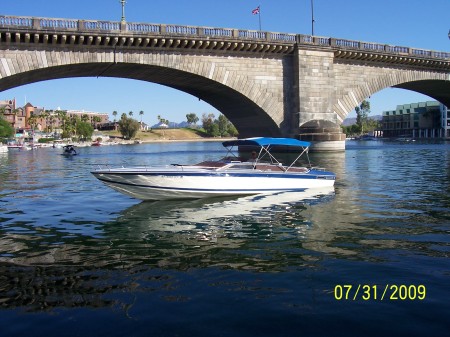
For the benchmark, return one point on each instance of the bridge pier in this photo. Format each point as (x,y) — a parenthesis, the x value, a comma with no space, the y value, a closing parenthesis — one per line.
(324,135)
(316,85)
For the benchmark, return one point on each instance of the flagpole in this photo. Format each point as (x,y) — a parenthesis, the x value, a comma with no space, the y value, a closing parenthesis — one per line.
(257,11)
(259,15)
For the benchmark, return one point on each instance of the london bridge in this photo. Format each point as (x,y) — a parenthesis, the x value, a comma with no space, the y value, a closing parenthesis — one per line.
(265,83)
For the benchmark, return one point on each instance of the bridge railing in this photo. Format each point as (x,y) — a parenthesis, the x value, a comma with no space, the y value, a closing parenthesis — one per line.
(56,23)
(14,21)
(143,28)
(90,26)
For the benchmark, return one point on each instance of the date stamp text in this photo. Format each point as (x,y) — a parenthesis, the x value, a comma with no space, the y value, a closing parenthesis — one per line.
(374,292)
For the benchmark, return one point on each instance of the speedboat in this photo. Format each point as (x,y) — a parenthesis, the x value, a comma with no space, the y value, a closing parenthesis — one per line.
(228,176)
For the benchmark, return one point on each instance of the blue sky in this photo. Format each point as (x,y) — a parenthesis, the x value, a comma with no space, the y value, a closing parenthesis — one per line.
(412,23)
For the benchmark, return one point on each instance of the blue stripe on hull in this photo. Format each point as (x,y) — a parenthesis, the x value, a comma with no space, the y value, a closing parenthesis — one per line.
(203,189)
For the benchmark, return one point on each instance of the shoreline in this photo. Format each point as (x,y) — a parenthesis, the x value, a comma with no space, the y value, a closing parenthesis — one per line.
(187,140)
(147,141)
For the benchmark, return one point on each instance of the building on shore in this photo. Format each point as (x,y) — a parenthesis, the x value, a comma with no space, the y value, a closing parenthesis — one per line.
(11,113)
(417,120)
(39,119)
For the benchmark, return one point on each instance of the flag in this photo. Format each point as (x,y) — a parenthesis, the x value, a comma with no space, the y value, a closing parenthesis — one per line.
(255,11)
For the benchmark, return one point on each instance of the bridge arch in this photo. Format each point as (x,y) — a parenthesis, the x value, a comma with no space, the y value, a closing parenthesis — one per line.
(244,102)
(430,83)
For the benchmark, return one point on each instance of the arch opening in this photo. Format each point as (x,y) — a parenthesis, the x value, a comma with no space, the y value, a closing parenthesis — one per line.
(246,115)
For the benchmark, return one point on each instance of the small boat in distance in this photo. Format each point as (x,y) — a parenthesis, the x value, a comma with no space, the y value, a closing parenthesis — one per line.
(229,176)
(69,150)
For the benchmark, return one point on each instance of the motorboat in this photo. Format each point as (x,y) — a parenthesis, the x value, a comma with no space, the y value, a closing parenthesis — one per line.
(228,176)
(69,150)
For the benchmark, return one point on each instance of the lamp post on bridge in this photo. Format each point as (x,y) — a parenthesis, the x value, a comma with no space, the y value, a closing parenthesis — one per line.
(123,2)
(312,17)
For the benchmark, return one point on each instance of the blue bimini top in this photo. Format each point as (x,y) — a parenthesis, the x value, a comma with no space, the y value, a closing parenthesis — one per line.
(266,141)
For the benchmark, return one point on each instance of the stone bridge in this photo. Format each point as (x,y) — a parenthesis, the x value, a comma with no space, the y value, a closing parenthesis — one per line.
(265,83)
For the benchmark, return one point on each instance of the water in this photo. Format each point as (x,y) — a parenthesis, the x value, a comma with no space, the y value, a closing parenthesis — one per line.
(79,259)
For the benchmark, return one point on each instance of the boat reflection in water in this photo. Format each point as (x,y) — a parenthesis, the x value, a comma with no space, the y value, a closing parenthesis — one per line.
(186,215)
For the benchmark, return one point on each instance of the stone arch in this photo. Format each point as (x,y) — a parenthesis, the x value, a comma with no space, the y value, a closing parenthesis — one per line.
(433,84)
(249,105)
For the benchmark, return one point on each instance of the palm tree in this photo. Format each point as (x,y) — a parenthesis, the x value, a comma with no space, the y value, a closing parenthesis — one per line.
(96,120)
(141,113)
(51,120)
(62,118)
(115,115)
(14,112)
(131,113)
(32,121)
(45,117)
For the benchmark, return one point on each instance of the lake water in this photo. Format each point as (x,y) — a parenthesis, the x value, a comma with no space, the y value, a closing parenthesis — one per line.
(370,258)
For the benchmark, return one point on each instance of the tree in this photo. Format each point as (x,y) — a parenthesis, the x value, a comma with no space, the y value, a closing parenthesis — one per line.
(232,131)
(222,123)
(192,118)
(351,130)
(210,125)
(141,113)
(51,121)
(84,130)
(6,130)
(362,114)
(62,117)
(207,123)
(214,130)
(128,127)
(32,121)
(96,120)
(115,115)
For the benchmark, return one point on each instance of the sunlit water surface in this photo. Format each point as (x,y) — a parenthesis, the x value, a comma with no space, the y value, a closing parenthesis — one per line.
(79,259)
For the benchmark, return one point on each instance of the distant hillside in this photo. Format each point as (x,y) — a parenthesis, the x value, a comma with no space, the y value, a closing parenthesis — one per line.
(351,121)
(173,125)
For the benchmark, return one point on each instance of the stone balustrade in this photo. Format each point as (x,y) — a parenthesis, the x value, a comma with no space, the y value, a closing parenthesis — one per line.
(144,32)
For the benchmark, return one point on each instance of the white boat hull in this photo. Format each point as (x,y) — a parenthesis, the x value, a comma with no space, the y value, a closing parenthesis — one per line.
(180,183)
